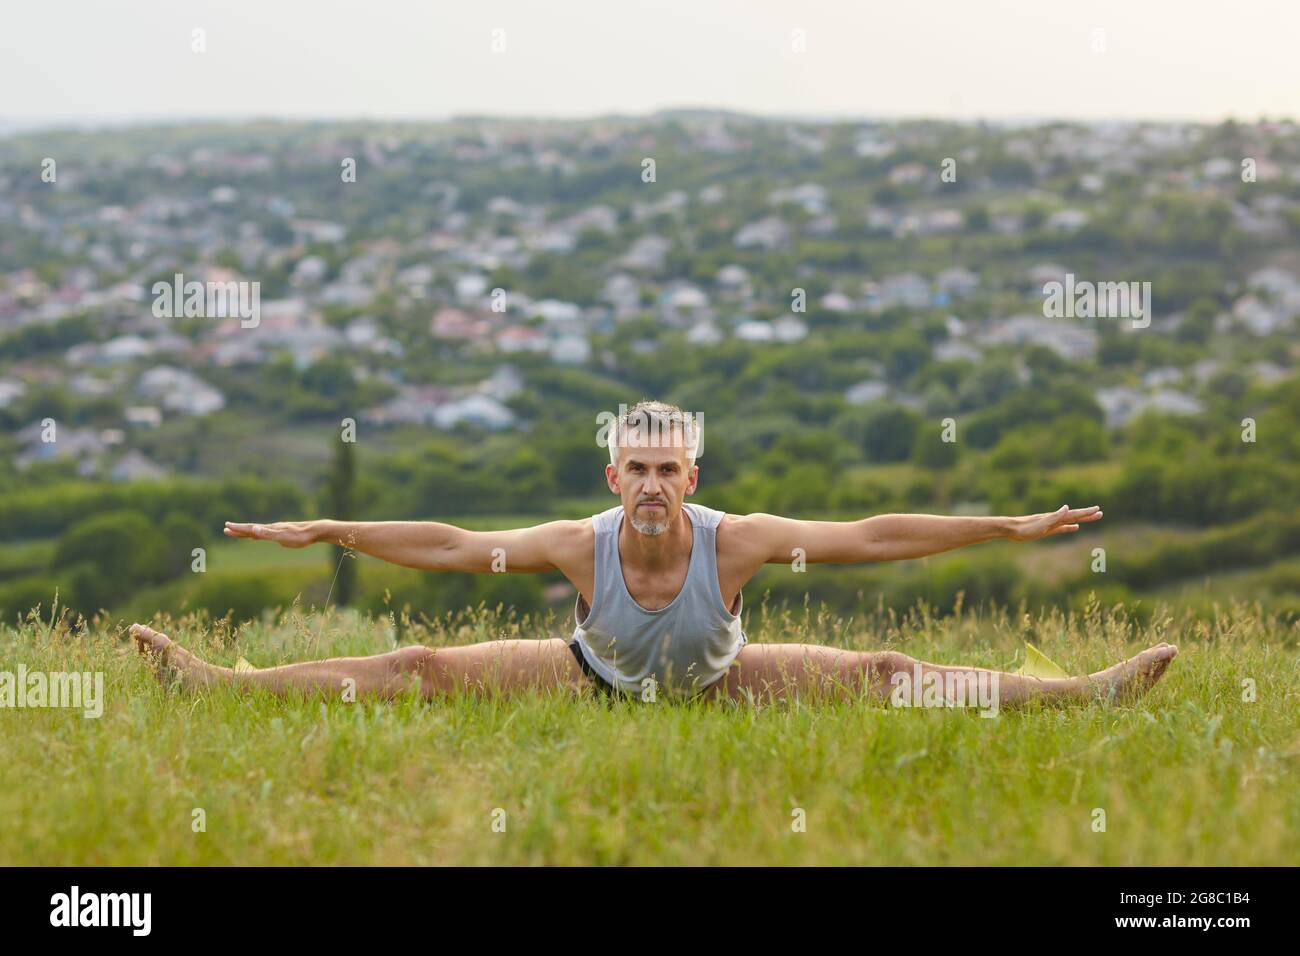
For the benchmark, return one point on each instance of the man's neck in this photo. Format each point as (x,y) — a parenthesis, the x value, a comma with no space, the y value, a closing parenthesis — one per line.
(656,552)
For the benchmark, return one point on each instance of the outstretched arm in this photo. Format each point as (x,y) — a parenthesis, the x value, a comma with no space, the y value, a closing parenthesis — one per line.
(427,545)
(902,536)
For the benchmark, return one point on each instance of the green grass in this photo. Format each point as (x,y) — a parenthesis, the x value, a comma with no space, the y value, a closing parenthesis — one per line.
(1191,774)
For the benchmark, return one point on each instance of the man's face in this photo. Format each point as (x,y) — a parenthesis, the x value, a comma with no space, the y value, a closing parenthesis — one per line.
(652,483)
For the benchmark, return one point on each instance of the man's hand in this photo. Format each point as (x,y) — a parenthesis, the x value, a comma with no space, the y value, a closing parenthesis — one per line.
(290,534)
(1064,521)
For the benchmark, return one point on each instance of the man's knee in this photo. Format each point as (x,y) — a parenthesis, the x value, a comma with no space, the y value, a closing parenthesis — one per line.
(883,665)
(416,659)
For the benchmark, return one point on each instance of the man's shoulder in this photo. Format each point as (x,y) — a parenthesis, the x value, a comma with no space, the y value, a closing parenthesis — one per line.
(574,529)
(745,543)
(740,531)
(570,538)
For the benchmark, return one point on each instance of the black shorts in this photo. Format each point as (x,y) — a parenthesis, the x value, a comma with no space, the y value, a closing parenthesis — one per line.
(604,686)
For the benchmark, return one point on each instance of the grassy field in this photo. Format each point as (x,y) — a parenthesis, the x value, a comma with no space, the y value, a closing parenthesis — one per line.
(1193,774)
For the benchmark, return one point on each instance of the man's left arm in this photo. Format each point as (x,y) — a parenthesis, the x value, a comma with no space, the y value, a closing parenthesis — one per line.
(898,537)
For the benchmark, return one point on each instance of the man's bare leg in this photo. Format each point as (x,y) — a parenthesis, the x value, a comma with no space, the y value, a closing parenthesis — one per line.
(505,666)
(783,671)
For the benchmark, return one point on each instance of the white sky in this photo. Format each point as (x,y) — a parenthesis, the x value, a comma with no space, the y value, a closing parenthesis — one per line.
(1164,59)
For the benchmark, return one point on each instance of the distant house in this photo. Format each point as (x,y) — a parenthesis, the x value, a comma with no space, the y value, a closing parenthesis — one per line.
(624,293)
(1258,223)
(1269,373)
(522,338)
(361,331)
(684,300)
(1007,223)
(1067,220)
(309,271)
(416,278)
(1067,339)
(1259,317)
(556,312)
(84,444)
(9,390)
(943,220)
(503,206)
(957,282)
(822,225)
(866,392)
(768,233)
(752,331)
(555,239)
(674,201)
(134,466)
(601,218)
(1122,404)
(906,174)
(180,391)
(1219,168)
(789,329)
(479,410)
(647,254)
(950,350)
(244,350)
(570,350)
(813,197)
(1281,286)
(504,383)
(471,286)
(836,302)
(123,348)
(364,332)
(907,289)
(880,220)
(872,145)
(1160,377)
(734,284)
(458,325)
(1171,402)
(143,416)
(315,230)
(704,333)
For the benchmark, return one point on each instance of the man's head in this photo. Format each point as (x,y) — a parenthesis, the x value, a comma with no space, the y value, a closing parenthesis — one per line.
(652,468)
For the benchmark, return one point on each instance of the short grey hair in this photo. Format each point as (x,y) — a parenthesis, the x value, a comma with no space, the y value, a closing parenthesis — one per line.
(661,419)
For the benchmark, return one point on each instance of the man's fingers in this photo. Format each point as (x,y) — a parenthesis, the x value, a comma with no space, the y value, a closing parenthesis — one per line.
(238,530)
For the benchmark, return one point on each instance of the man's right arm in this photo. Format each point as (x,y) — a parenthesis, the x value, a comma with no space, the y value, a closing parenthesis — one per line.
(429,545)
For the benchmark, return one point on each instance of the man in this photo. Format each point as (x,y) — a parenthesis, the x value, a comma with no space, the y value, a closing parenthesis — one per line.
(659,594)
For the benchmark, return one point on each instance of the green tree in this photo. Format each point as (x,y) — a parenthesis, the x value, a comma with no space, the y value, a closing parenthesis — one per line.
(340,502)
(119,551)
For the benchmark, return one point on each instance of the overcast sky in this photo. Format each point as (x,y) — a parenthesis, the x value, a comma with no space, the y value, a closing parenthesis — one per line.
(1162,59)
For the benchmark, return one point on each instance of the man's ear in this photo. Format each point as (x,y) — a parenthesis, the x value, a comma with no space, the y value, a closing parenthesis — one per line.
(693,479)
(611,478)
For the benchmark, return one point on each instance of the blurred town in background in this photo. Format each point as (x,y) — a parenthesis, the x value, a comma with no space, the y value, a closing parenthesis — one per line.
(827,294)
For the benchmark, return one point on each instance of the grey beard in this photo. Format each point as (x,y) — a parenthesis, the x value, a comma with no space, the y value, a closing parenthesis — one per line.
(649,527)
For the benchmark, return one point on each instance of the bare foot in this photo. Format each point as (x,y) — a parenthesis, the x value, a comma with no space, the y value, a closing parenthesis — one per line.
(173,662)
(1135,676)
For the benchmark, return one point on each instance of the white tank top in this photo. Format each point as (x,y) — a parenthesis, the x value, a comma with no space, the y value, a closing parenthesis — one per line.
(683,647)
